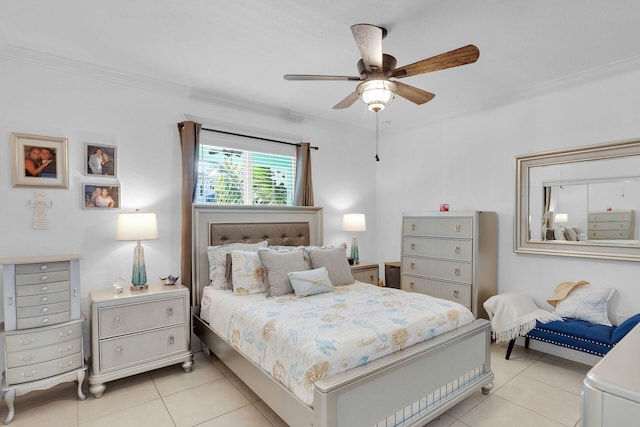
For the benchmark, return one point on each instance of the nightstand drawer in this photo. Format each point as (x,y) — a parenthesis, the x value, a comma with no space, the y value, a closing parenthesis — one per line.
(130,318)
(48,277)
(367,276)
(141,348)
(39,371)
(43,354)
(449,291)
(27,340)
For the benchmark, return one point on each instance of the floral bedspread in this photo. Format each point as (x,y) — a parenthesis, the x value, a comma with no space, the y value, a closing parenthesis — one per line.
(302,340)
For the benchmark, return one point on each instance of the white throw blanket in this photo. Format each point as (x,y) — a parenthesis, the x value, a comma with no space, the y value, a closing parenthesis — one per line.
(514,314)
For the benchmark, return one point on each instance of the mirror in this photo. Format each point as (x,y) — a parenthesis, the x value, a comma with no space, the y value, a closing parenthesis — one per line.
(580,202)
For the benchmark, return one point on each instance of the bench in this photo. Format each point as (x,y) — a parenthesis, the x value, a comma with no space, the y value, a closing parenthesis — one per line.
(579,335)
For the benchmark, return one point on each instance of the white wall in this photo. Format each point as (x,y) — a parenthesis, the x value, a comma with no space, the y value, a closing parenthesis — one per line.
(468,162)
(142,124)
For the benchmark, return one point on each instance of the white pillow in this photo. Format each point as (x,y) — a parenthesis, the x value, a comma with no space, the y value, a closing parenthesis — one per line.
(587,303)
(311,282)
(248,274)
(218,261)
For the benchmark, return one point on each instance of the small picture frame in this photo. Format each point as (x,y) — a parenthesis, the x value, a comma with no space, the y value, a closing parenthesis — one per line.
(100,160)
(101,196)
(39,161)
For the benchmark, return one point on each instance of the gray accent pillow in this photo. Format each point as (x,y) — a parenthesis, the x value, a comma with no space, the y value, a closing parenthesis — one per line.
(335,261)
(278,266)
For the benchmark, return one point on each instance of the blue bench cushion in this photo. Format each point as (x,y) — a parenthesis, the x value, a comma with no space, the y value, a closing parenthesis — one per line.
(576,334)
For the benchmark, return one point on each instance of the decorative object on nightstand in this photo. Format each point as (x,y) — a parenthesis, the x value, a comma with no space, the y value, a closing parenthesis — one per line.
(137,226)
(366,272)
(42,329)
(354,222)
(134,332)
(169,280)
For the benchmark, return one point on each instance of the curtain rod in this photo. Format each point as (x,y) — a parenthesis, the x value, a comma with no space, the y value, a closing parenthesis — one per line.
(256,137)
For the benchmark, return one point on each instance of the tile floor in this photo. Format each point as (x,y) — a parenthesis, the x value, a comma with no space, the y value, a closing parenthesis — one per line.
(531,389)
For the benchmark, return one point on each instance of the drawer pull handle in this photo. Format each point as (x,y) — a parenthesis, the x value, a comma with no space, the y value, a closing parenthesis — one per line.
(44,277)
(117,318)
(456,294)
(413,265)
(413,246)
(456,271)
(28,342)
(170,311)
(65,350)
(10,300)
(27,358)
(457,250)
(413,227)
(45,309)
(45,320)
(412,285)
(75,292)
(44,267)
(27,374)
(171,340)
(118,350)
(63,335)
(45,288)
(65,366)
(371,278)
(44,299)
(458,227)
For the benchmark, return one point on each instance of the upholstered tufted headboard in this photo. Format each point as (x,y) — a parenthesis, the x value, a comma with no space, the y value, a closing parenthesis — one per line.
(279,225)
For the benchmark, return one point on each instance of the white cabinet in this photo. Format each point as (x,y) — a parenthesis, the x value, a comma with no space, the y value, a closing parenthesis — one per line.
(42,329)
(450,255)
(137,331)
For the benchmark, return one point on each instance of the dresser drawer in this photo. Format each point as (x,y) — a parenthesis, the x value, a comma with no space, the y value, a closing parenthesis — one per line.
(141,348)
(35,300)
(39,371)
(42,267)
(43,310)
(43,354)
(130,318)
(367,276)
(42,289)
(438,248)
(54,335)
(610,216)
(438,227)
(438,269)
(48,277)
(449,291)
(46,320)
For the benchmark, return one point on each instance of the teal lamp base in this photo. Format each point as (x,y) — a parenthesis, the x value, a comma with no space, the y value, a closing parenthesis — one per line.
(139,276)
(354,249)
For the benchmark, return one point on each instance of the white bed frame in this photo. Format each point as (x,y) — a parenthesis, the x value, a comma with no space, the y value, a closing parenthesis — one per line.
(407,388)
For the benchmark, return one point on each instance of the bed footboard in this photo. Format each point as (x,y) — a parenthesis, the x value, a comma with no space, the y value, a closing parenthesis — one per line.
(408,388)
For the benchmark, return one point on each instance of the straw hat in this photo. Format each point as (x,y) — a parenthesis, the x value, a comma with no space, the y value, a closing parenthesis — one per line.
(563,289)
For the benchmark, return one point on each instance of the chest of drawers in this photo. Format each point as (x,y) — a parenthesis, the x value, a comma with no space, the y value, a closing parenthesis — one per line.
(450,255)
(610,225)
(137,331)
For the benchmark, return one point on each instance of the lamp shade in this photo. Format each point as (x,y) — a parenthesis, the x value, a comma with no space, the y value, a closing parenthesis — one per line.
(377,94)
(354,222)
(137,226)
(561,218)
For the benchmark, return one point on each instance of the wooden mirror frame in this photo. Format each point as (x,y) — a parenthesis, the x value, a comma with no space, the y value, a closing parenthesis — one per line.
(586,249)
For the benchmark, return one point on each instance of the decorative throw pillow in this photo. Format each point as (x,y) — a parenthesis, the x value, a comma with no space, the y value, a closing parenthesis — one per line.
(278,266)
(307,259)
(335,261)
(310,282)
(248,274)
(571,234)
(587,303)
(218,261)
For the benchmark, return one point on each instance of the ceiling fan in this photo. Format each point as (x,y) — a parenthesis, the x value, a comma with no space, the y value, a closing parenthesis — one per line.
(377,69)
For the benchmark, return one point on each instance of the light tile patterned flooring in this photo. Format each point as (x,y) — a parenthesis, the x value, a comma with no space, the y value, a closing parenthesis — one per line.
(531,389)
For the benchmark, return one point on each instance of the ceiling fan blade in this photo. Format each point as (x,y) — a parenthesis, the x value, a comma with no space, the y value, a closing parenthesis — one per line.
(413,94)
(347,102)
(369,40)
(319,77)
(454,58)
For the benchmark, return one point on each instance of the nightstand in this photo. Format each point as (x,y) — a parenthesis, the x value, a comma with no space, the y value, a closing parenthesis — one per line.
(138,331)
(366,272)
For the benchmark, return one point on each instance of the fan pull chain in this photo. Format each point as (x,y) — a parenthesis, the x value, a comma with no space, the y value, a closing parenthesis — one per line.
(377,158)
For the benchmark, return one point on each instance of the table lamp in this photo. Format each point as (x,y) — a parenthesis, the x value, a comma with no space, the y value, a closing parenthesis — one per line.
(354,222)
(137,226)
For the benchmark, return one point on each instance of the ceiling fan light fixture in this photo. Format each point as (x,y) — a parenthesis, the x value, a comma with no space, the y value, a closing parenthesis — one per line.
(377,94)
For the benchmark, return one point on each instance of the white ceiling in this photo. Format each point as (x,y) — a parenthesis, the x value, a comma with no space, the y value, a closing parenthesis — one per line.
(238,50)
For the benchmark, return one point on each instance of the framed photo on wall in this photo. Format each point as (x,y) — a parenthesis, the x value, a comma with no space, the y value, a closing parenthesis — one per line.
(100,160)
(101,196)
(39,161)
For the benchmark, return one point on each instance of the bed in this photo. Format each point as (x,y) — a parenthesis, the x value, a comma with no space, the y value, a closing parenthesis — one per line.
(408,387)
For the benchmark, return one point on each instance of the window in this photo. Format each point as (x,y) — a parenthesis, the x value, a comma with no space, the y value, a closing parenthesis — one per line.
(239,171)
